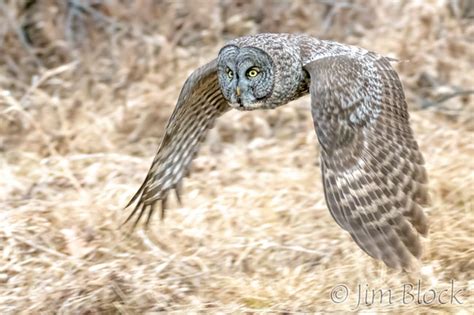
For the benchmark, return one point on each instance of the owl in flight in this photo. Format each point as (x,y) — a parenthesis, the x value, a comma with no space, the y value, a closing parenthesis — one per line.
(372,170)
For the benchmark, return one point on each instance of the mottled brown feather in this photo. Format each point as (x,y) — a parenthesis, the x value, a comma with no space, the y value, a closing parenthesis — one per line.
(373,174)
(199,104)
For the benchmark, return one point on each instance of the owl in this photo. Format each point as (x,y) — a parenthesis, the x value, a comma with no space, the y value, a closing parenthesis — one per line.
(373,176)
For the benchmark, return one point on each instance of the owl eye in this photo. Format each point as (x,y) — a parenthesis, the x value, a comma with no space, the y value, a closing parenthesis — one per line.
(229,72)
(253,72)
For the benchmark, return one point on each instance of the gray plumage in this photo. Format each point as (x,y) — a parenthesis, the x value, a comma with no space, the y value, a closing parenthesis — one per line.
(373,174)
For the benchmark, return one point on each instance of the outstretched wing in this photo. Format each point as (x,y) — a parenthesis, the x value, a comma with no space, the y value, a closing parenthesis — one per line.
(373,173)
(199,104)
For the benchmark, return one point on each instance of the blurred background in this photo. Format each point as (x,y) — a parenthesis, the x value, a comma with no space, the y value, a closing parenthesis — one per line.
(86,87)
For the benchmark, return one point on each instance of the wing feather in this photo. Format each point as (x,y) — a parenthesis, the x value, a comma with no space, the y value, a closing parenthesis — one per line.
(199,104)
(373,174)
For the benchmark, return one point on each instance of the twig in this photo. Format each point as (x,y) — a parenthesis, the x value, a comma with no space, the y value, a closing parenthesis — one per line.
(45,76)
(427,103)
(20,34)
(40,247)
(77,4)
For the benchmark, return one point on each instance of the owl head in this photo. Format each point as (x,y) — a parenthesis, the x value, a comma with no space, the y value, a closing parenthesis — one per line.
(246,76)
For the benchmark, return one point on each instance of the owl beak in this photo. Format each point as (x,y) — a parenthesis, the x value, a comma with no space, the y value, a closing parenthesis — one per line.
(237,91)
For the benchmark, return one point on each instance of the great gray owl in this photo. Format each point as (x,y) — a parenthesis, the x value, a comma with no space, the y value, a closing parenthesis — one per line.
(372,169)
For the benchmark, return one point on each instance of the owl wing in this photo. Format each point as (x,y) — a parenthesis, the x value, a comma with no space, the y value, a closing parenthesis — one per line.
(199,104)
(373,174)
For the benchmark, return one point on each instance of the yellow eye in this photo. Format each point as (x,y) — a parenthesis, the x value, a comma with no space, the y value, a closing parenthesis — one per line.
(230,74)
(253,72)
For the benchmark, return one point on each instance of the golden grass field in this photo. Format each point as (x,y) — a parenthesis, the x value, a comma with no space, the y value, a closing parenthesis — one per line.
(85,91)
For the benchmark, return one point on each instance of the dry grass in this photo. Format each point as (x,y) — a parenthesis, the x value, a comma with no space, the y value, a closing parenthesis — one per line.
(84,94)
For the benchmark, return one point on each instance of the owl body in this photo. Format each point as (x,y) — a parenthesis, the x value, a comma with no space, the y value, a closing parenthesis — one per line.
(372,170)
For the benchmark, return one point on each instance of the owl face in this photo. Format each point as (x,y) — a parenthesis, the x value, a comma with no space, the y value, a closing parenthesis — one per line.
(246,76)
